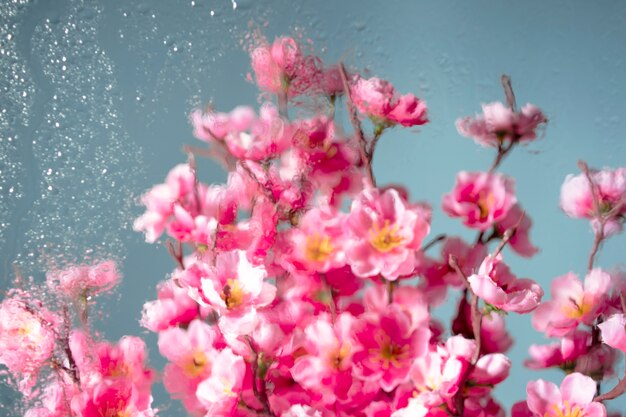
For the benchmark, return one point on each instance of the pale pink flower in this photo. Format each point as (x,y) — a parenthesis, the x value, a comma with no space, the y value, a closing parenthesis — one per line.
(327,365)
(27,340)
(213,126)
(386,233)
(85,280)
(572,303)
(438,374)
(219,393)
(496,285)
(610,186)
(519,242)
(191,353)
(389,348)
(499,123)
(281,68)
(160,200)
(173,307)
(299,410)
(562,354)
(614,331)
(373,97)
(56,400)
(260,138)
(573,398)
(235,288)
(480,199)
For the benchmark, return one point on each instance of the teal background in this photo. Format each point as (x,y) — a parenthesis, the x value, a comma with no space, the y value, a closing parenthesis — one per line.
(96,96)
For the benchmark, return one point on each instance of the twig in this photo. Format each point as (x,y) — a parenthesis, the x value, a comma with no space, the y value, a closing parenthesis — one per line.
(502,153)
(176,254)
(508,234)
(433,242)
(599,234)
(508,91)
(260,390)
(617,390)
(476,315)
(253,176)
(356,125)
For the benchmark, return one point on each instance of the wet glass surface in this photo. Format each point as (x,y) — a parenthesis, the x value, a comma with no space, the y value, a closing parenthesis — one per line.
(96,97)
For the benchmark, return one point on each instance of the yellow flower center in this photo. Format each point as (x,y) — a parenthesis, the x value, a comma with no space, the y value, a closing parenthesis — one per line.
(388,353)
(483,203)
(386,238)
(576,309)
(340,354)
(564,410)
(196,365)
(318,248)
(232,294)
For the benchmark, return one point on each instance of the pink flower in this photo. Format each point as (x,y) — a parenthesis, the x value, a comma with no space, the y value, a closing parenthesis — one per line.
(409,111)
(282,68)
(386,233)
(173,307)
(191,354)
(577,198)
(573,398)
(373,97)
(499,124)
(219,393)
(389,348)
(438,374)
(496,285)
(519,242)
(259,138)
(85,280)
(327,366)
(235,288)
(572,303)
(378,99)
(110,398)
(614,332)
(480,199)
(27,339)
(318,243)
(561,354)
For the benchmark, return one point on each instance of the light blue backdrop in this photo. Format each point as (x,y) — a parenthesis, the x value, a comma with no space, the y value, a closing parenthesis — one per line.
(95,97)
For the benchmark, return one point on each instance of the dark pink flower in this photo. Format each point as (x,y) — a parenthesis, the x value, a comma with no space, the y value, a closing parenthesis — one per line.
(481,199)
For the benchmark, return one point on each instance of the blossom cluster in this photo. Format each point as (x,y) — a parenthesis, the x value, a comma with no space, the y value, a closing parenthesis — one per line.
(303,288)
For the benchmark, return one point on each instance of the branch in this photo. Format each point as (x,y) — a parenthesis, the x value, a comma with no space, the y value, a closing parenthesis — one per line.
(433,242)
(508,91)
(476,315)
(356,125)
(599,234)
